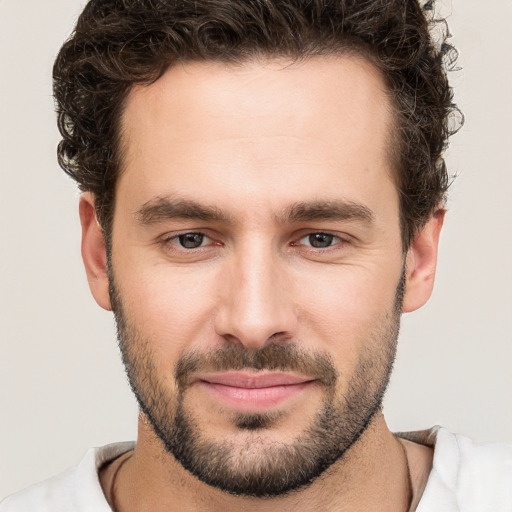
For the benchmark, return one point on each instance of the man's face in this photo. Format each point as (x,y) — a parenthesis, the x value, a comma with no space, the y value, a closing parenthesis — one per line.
(257,264)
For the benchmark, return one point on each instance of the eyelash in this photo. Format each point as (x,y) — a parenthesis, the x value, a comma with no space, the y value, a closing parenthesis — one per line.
(338,240)
(173,241)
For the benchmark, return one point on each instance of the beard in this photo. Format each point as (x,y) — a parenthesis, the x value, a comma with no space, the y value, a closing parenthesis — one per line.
(259,466)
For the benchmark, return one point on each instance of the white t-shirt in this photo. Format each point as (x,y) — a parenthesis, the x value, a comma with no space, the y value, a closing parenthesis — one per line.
(465,477)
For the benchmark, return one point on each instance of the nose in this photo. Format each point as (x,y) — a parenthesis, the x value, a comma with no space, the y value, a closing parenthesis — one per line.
(256,304)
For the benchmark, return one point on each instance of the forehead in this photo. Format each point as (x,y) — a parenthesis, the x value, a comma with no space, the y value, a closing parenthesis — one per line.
(261,129)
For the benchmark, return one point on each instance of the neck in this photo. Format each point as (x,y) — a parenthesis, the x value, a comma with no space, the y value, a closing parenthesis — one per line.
(372,475)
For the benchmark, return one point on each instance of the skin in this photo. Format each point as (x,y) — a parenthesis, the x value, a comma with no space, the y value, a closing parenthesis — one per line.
(252,141)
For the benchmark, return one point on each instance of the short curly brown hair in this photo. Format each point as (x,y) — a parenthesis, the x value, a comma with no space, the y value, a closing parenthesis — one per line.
(119,43)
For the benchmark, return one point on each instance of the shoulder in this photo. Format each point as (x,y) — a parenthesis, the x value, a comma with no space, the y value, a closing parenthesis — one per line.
(490,462)
(466,475)
(76,490)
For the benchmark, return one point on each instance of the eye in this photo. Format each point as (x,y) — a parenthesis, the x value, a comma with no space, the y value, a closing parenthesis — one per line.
(190,240)
(320,240)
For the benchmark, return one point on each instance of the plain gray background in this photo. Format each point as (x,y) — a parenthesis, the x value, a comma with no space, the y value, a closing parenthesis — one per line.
(62,387)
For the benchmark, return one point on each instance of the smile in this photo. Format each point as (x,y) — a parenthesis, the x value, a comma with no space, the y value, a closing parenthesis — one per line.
(256,391)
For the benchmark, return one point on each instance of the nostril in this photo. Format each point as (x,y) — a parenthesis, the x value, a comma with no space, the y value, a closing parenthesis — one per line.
(231,338)
(278,336)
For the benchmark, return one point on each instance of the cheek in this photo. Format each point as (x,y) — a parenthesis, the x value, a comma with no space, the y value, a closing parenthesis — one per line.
(349,293)
(170,307)
(345,311)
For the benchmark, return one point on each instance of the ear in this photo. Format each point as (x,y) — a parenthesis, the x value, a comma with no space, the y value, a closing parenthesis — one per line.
(421,263)
(94,253)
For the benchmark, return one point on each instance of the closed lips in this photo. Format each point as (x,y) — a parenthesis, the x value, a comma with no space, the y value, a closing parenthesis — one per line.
(253,380)
(254,391)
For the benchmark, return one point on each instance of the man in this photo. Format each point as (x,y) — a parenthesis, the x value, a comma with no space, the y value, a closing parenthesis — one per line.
(263,192)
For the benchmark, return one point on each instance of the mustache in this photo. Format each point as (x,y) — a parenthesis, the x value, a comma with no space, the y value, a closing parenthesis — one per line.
(275,356)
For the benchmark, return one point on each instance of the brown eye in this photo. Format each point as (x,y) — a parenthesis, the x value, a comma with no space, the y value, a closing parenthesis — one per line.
(191,240)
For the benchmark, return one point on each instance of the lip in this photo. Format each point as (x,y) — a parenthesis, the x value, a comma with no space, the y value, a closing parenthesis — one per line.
(253,391)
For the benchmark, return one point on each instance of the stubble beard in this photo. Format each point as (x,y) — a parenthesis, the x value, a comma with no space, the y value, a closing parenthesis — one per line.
(259,467)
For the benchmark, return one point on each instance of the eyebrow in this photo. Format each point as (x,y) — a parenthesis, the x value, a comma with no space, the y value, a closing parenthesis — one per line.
(165,208)
(340,210)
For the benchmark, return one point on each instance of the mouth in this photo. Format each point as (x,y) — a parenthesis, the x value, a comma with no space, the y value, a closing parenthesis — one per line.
(254,391)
